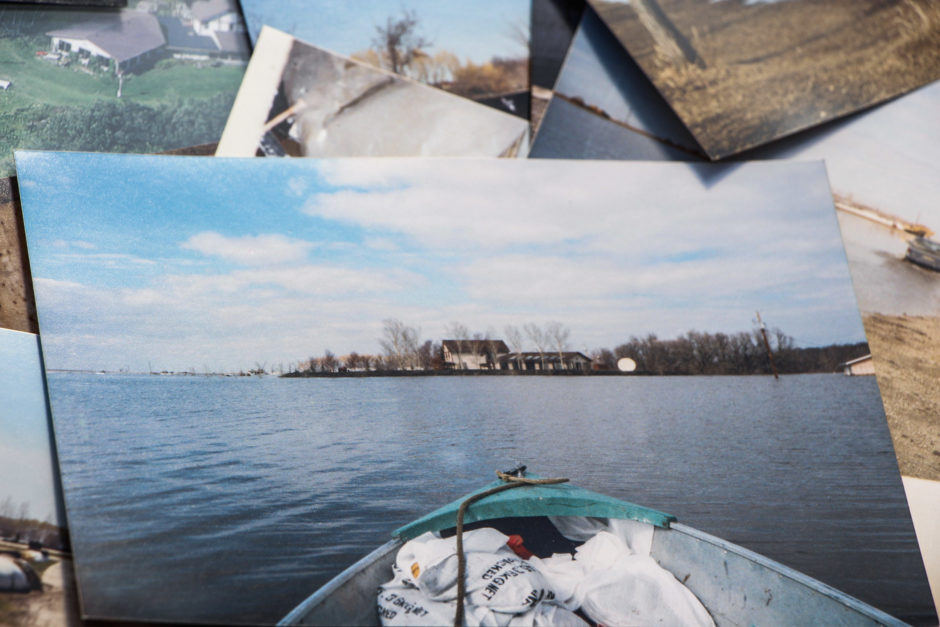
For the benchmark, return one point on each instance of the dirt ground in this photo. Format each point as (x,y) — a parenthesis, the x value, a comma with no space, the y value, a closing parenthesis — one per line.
(906,352)
(55,606)
(770,69)
(17,310)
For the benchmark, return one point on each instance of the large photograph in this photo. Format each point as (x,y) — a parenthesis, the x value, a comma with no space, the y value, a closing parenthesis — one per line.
(255,382)
(154,76)
(740,74)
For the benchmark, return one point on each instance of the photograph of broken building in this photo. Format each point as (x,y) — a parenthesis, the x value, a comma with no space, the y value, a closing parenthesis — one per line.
(300,100)
(479,51)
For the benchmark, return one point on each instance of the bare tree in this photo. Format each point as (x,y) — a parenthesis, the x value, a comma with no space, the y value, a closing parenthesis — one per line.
(538,337)
(23,512)
(557,334)
(399,41)
(400,343)
(425,355)
(461,335)
(410,337)
(514,337)
(492,348)
(328,362)
(7,507)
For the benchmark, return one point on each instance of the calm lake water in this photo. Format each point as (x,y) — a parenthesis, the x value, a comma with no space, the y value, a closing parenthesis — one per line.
(230,500)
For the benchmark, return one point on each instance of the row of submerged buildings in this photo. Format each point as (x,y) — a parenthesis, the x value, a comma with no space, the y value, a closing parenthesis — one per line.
(495,355)
(132,40)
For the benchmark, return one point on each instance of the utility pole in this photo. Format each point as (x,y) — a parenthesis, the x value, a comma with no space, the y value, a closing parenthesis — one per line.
(770,354)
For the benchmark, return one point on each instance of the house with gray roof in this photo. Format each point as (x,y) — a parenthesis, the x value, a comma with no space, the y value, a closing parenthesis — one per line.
(125,38)
(216,16)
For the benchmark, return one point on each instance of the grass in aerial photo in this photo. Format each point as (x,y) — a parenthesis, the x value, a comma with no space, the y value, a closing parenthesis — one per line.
(152,77)
(740,74)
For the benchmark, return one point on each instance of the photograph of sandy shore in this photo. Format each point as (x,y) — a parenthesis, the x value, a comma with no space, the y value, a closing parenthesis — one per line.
(740,74)
(37,588)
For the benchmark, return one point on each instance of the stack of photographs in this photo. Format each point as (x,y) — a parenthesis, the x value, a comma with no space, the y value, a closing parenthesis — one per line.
(250,371)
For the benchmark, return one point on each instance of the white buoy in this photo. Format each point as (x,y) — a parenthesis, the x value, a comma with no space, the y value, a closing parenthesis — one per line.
(625,364)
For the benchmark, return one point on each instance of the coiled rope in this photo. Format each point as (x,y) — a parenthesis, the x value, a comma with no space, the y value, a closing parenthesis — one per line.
(512,481)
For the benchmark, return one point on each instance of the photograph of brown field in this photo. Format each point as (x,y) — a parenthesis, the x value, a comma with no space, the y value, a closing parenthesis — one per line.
(742,74)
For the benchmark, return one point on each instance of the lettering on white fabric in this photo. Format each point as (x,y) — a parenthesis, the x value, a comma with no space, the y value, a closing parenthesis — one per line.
(403,604)
(502,571)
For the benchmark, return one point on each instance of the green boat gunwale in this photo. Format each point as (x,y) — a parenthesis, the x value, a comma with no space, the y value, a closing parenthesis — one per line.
(561,499)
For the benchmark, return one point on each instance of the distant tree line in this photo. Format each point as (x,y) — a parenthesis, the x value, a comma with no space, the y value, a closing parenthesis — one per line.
(720,353)
(16,524)
(694,353)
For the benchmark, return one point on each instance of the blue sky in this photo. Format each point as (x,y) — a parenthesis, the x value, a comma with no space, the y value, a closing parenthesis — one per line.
(25,451)
(476,30)
(194,263)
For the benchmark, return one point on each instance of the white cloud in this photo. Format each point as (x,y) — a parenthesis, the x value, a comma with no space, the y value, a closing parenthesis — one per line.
(473,204)
(254,250)
(297,185)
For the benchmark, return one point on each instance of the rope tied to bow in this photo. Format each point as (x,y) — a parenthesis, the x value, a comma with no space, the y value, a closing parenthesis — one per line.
(511,481)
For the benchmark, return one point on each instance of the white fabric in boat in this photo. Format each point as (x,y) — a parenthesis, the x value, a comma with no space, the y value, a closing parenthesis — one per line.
(502,589)
(496,577)
(613,579)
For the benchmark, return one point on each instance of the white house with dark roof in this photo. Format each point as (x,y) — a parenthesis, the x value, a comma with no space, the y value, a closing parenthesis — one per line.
(861,366)
(216,16)
(126,38)
(472,354)
(129,38)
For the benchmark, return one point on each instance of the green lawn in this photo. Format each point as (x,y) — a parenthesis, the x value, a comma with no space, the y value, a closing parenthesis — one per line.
(171,80)
(36,80)
(39,81)
(42,90)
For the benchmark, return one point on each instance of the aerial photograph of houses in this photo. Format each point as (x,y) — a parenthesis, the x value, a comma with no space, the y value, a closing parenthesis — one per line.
(157,75)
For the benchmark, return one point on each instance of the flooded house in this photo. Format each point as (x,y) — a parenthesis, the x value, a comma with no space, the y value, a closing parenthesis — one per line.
(861,366)
(473,354)
(571,361)
(495,355)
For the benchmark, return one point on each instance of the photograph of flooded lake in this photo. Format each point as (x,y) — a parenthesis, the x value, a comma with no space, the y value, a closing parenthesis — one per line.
(203,487)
